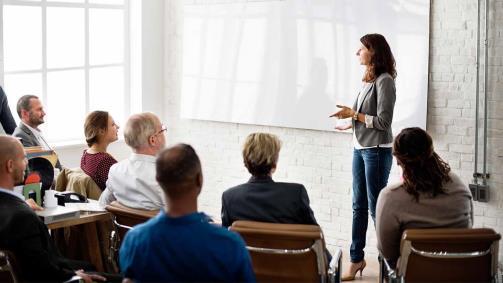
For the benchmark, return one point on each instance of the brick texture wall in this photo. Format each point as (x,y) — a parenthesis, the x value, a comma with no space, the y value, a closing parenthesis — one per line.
(322,160)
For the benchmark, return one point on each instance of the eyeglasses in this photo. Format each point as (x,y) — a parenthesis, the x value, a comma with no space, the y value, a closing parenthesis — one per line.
(163,129)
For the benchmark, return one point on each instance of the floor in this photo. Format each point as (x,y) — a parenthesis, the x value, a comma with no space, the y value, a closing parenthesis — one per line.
(371,272)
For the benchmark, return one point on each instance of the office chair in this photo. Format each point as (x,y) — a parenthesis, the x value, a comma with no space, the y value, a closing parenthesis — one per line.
(124,219)
(288,252)
(445,255)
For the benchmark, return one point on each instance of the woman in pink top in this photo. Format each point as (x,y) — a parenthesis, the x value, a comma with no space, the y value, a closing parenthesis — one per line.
(100,131)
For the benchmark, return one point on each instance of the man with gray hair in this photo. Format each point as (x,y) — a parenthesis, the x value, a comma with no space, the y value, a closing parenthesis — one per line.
(132,182)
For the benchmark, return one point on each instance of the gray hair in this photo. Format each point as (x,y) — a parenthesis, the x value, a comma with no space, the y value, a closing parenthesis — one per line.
(24,103)
(139,128)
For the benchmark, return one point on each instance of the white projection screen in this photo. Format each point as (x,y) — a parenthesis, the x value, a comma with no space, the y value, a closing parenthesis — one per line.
(288,63)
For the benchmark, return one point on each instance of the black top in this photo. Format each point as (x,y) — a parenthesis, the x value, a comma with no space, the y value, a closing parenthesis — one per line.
(6,118)
(262,199)
(23,233)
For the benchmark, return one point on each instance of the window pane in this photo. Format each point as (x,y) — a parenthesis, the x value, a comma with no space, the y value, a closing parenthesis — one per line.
(106,91)
(22,37)
(68,1)
(65,105)
(16,86)
(112,2)
(65,37)
(106,36)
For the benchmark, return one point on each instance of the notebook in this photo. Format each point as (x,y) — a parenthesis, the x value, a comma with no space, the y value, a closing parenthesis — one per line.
(58,213)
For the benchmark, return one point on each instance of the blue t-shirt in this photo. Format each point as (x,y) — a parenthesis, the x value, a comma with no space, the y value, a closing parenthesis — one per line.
(187,249)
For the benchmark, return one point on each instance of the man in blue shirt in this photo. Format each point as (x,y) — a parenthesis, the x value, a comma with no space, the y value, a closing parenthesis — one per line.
(179,244)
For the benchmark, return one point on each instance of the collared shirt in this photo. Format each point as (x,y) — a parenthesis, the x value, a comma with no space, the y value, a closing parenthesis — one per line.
(184,249)
(38,134)
(10,192)
(132,183)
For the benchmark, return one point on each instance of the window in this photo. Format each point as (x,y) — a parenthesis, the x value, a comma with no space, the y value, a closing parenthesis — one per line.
(73,54)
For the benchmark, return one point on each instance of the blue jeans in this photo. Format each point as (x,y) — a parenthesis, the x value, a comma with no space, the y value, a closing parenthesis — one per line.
(371,168)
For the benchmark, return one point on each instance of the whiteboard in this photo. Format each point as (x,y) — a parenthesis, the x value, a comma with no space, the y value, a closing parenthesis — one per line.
(288,63)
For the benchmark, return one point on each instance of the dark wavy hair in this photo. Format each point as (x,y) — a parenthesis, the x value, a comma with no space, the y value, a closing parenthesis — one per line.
(423,170)
(381,60)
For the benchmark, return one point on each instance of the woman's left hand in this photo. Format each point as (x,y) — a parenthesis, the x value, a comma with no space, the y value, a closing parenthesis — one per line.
(344,113)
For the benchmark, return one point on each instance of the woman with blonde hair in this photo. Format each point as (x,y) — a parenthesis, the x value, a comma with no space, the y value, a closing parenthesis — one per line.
(100,131)
(261,198)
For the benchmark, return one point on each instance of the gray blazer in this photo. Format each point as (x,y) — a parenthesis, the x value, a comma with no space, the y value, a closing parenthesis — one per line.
(378,101)
(29,139)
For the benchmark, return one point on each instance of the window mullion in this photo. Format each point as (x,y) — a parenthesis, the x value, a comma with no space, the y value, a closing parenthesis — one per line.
(86,57)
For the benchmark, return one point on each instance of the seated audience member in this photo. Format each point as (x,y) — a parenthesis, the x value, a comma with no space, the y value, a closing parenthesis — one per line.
(132,181)
(21,230)
(262,199)
(179,244)
(430,195)
(6,119)
(31,112)
(100,131)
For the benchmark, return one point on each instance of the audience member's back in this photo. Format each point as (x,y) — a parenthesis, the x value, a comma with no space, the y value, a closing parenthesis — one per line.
(262,199)
(430,196)
(186,248)
(179,244)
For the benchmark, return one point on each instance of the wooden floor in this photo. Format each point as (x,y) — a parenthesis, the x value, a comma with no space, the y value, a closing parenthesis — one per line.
(371,272)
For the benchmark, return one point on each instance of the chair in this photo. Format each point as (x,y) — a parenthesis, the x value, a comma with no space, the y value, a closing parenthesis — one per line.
(8,268)
(288,252)
(75,180)
(445,255)
(124,218)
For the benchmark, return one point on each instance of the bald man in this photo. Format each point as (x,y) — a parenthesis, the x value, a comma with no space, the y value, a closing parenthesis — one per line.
(21,231)
(179,245)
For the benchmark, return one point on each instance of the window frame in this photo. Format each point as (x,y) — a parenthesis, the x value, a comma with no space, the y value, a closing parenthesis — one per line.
(86,67)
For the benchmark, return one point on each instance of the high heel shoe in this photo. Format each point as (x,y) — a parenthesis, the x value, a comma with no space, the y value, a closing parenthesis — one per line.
(353,270)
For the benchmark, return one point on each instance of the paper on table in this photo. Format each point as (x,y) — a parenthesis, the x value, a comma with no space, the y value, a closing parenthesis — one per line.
(92,205)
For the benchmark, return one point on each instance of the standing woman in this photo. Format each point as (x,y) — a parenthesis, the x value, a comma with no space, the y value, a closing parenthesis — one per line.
(372,114)
(100,131)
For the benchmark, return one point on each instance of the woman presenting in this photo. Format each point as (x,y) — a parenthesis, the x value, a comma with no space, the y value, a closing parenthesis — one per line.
(372,114)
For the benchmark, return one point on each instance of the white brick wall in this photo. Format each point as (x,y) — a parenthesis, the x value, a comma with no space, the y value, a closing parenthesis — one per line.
(322,160)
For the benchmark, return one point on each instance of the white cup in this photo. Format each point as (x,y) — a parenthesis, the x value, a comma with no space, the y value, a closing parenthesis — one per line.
(50,199)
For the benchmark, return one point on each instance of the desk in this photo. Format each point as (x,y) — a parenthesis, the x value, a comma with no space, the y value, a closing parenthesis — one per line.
(89,221)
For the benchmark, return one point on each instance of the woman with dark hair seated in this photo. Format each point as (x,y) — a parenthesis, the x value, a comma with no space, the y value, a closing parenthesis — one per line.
(430,195)
(100,130)
(262,199)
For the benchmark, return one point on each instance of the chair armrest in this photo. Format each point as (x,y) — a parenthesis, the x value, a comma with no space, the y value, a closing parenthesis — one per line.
(75,279)
(387,272)
(334,267)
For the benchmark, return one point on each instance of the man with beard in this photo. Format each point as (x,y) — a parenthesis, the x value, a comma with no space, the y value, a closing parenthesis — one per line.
(31,112)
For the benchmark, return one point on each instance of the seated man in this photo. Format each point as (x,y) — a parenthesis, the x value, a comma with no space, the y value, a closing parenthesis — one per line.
(31,112)
(262,199)
(179,245)
(21,230)
(132,181)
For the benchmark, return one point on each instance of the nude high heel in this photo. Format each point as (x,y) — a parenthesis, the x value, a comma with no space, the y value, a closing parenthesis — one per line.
(353,270)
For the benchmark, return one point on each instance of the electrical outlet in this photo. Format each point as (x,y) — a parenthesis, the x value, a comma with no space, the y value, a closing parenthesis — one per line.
(474,189)
(483,193)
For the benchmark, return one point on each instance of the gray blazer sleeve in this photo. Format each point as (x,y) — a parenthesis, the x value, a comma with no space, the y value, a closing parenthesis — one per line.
(386,96)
